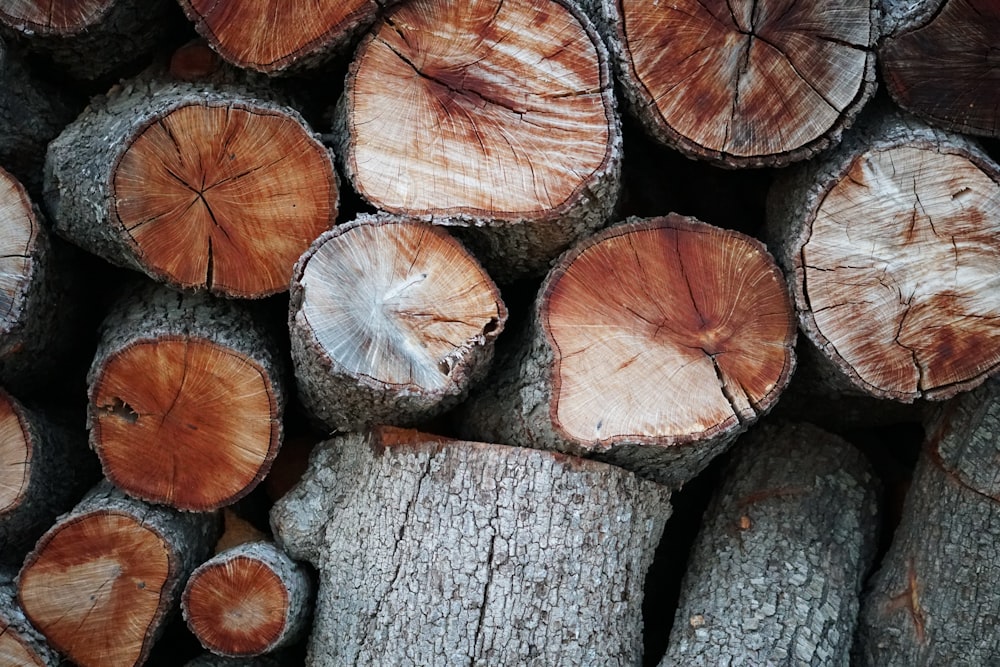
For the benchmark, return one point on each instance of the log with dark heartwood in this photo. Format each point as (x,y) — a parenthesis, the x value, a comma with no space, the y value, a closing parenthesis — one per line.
(652,345)
(436,551)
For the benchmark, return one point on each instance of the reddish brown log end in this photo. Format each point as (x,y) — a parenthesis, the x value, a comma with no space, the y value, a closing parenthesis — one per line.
(18,240)
(15,652)
(194,61)
(92,587)
(15,456)
(53,17)
(236,608)
(478,91)
(747,78)
(225,198)
(665,330)
(948,70)
(184,422)
(899,272)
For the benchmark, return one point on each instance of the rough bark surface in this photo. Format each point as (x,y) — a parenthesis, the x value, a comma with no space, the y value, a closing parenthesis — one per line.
(934,599)
(201,430)
(212,660)
(21,645)
(776,572)
(392,321)
(434,551)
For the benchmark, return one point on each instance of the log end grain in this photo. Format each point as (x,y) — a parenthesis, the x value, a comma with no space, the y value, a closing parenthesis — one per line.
(20,247)
(62,17)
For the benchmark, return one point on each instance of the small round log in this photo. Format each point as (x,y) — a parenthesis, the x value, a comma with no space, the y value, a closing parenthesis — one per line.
(652,345)
(185,399)
(21,645)
(436,551)
(198,186)
(248,600)
(479,95)
(391,321)
(101,582)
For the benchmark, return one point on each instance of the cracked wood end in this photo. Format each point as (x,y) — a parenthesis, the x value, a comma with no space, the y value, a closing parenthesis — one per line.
(101,582)
(53,17)
(185,399)
(391,321)
(479,91)
(946,69)
(21,244)
(197,186)
(745,82)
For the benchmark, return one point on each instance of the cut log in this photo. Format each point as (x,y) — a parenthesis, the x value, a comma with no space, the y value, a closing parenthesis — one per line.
(652,345)
(199,186)
(891,245)
(185,399)
(503,125)
(100,583)
(21,645)
(90,39)
(947,69)
(45,468)
(248,600)
(435,551)
(934,599)
(391,321)
(743,83)
(776,572)
(277,37)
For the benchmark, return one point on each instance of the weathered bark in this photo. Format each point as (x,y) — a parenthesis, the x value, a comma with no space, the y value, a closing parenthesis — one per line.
(744,83)
(101,582)
(652,345)
(947,69)
(45,468)
(890,246)
(248,600)
(434,551)
(481,92)
(199,186)
(185,398)
(776,572)
(392,321)
(90,39)
(934,599)
(21,645)
(278,37)
(212,660)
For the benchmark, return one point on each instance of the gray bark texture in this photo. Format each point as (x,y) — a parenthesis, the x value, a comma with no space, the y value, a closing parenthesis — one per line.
(212,660)
(186,537)
(258,556)
(58,469)
(439,552)
(899,15)
(776,571)
(934,599)
(346,400)
(149,313)
(19,640)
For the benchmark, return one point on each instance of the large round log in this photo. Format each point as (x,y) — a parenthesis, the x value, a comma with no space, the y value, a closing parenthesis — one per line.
(435,551)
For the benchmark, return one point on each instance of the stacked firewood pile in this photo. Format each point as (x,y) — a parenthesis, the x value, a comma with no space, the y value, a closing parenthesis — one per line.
(548,332)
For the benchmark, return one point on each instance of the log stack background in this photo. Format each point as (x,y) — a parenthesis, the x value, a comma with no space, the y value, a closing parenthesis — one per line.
(712,174)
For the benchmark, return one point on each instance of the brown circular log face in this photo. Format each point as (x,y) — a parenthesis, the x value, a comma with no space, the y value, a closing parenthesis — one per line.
(381,301)
(15,457)
(478,91)
(60,17)
(112,569)
(225,198)
(266,35)
(185,422)
(687,330)
(237,608)
(748,77)
(17,243)
(901,271)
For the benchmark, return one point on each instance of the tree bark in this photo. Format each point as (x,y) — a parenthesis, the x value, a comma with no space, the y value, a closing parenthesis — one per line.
(248,600)
(652,345)
(391,321)
(890,246)
(745,83)
(198,186)
(777,569)
(934,599)
(21,645)
(480,93)
(185,398)
(212,660)
(946,68)
(434,551)
(101,582)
